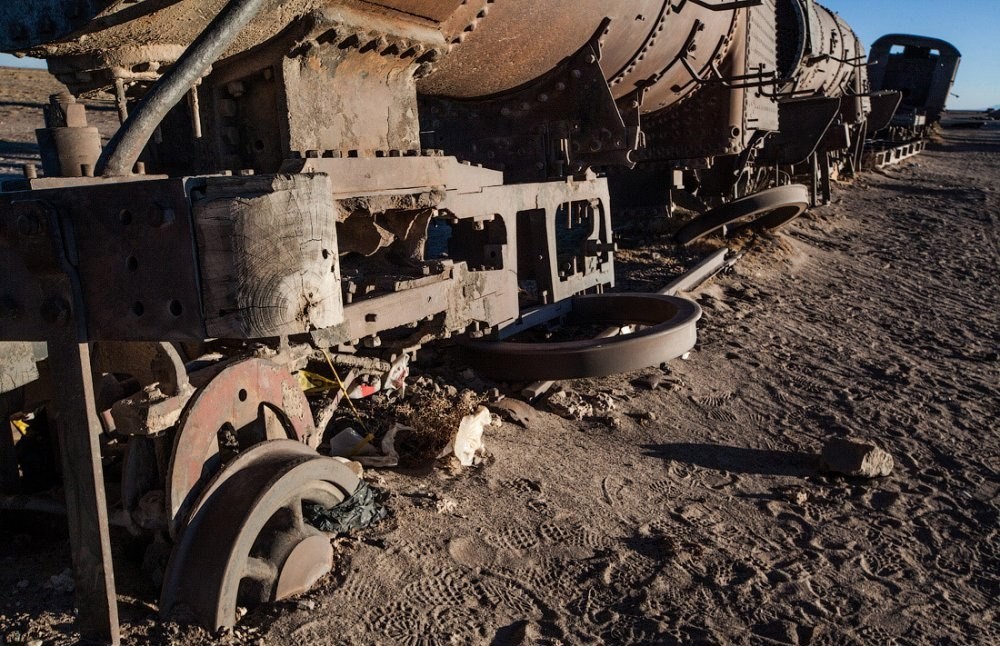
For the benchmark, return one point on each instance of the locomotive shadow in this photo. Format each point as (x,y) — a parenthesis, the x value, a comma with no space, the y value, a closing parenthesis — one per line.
(736,459)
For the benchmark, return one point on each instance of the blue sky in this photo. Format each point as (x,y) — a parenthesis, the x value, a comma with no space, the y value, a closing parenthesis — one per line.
(971,25)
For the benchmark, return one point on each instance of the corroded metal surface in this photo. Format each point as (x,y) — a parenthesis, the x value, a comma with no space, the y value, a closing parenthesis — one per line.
(669,331)
(253,401)
(247,541)
(768,209)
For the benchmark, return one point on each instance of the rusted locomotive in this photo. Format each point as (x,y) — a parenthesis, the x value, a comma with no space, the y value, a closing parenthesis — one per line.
(922,70)
(357,178)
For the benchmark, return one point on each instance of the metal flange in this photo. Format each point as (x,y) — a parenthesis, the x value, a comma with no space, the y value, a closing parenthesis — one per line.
(247,541)
(769,209)
(669,331)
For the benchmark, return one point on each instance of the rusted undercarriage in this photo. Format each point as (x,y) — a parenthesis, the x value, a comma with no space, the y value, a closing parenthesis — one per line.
(357,178)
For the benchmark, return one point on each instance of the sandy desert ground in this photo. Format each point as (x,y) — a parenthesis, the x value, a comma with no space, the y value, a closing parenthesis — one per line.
(690,507)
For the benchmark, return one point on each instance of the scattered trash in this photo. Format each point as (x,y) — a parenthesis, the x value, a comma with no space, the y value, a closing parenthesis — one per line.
(349,443)
(395,379)
(389,457)
(855,458)
(446,506)
(365,507)
(312,383)
(365,386)
(467,444)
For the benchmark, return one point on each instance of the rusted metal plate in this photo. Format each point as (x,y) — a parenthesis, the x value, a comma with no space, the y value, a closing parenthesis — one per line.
(131,249)
(136,260)
(232,401)
(671,332)
(803,124)
(884,106)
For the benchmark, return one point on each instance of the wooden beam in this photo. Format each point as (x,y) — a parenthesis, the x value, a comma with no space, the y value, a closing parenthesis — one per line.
(83,479)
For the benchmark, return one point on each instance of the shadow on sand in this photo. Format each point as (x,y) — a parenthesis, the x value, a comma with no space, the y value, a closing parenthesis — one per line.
(736,459)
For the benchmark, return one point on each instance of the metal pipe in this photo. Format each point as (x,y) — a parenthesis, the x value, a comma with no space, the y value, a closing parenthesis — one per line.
(125,147)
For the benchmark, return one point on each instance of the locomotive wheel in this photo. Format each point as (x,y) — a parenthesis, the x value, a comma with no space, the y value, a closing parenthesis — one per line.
(770,209)
(251,400)
(247,541)
(671,332)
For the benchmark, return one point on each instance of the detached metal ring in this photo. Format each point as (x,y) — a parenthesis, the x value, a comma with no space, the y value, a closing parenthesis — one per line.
(670,331)
(775,206)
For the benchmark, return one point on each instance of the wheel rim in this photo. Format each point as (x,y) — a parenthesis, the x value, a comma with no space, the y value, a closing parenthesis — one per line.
(247,541)
(770,209)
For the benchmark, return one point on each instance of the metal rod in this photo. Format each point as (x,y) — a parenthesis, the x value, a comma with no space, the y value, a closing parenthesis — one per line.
(123,150)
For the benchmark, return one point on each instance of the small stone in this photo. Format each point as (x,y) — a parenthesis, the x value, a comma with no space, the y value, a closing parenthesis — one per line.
(468,374)
(493,395)
(446,506)
(23,583)
(652,382)
(306,604)
(36,642)
(686,356)
(649,416)
(855,458)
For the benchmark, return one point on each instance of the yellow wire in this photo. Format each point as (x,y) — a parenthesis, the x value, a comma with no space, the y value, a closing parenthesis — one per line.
(368,435)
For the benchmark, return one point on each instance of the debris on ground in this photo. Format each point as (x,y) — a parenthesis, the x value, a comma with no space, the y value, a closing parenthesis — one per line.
(349,443)
(389,456)
(467,444)
(365,507)
(855,458)
(517,411)
(570,405)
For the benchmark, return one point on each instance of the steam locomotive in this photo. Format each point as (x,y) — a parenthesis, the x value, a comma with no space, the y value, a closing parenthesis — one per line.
(358,178)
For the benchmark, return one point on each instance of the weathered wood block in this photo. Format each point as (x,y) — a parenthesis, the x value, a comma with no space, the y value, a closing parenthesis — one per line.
(267,248)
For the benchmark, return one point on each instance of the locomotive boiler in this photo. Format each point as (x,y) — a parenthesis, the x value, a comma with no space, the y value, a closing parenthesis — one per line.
(353,179)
